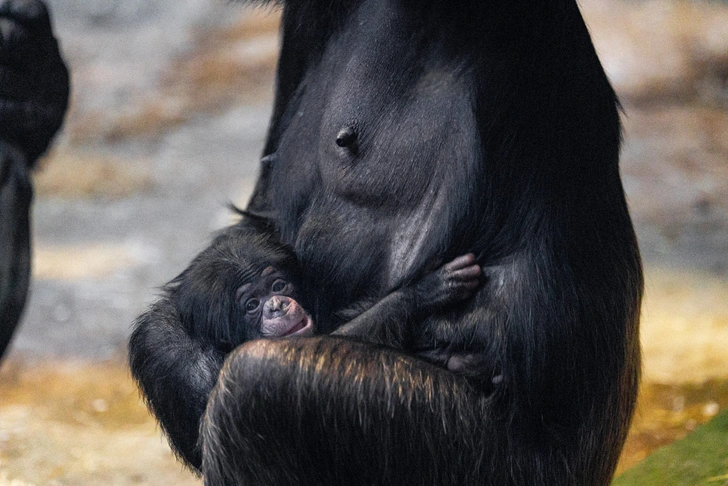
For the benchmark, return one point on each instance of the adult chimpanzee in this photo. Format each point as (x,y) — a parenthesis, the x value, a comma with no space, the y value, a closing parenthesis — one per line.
(33,101)
(406,132)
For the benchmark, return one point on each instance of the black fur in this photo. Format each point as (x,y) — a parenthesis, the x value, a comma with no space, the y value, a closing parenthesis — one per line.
(35,88)
(33,101)
(487,128)
(16,194)
(179,345)
(202,313)
(205,292)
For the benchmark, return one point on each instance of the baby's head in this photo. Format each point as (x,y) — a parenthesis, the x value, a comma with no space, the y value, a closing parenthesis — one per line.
(242,287)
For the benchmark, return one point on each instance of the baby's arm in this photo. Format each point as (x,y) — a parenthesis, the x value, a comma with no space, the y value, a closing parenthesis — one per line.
(390,320)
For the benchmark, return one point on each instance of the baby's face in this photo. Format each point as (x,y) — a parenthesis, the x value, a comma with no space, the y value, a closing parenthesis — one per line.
(270,307)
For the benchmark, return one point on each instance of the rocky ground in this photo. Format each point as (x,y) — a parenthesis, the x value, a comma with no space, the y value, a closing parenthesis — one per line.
(170,106)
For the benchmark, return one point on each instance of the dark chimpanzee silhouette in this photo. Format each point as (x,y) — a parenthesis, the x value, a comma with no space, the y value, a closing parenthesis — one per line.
(33,101)
(407,132)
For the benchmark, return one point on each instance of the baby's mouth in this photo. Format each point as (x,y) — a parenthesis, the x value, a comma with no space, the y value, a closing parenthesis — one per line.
(305,326)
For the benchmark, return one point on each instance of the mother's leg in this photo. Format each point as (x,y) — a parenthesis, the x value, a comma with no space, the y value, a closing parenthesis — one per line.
(332,411)
(336,411)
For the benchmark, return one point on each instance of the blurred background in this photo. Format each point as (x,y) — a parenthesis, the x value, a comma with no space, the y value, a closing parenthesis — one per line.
(170,105)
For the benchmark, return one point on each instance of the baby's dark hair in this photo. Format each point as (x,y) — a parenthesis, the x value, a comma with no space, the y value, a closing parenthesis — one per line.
(204,292)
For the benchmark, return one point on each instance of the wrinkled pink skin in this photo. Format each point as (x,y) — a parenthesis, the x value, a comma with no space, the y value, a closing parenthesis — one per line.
(284,317)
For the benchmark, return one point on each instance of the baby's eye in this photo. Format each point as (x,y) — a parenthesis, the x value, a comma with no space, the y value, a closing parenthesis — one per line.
(279,286)
(252,305)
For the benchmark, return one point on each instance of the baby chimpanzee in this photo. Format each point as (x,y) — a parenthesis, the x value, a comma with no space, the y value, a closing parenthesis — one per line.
(244,286)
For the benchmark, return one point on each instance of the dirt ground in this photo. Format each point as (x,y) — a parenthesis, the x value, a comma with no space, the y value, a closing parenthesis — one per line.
(156,144)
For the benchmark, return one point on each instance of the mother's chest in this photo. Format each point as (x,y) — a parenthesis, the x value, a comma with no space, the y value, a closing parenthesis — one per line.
(360,136)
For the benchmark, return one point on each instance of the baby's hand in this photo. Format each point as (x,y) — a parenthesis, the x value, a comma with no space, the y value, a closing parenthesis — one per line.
(451,283)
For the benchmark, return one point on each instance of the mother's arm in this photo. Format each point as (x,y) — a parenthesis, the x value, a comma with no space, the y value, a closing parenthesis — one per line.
(176,374)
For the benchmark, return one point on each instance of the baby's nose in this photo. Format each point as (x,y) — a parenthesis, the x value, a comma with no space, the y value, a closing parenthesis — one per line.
(276,306)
